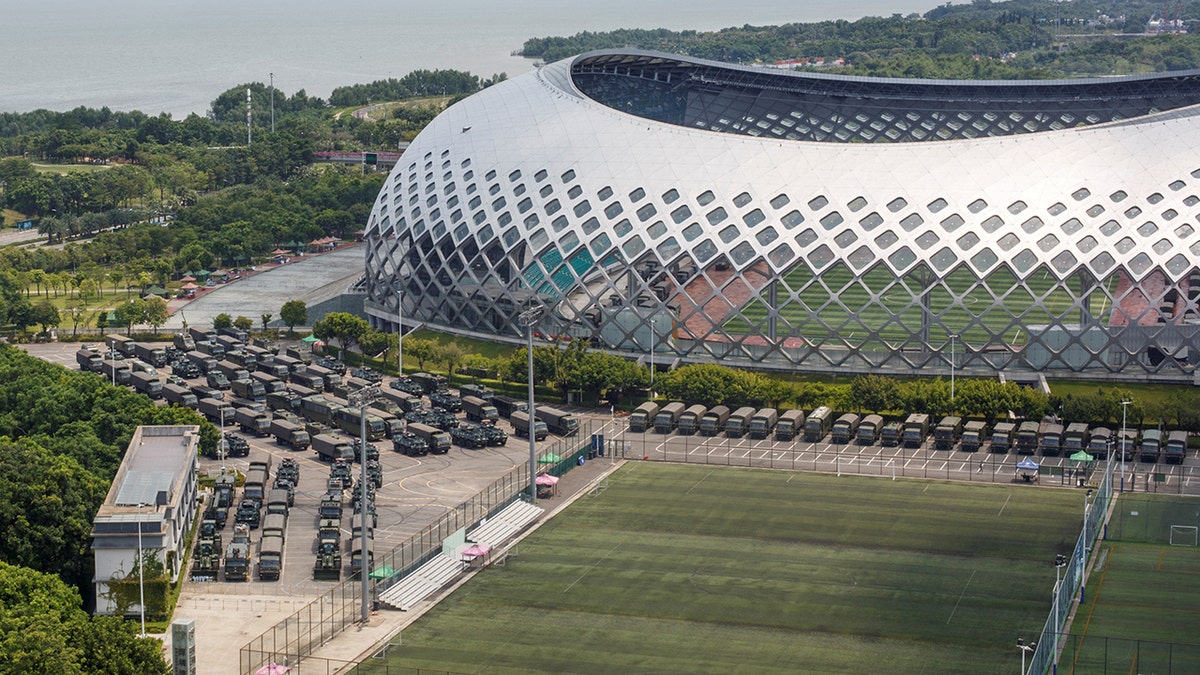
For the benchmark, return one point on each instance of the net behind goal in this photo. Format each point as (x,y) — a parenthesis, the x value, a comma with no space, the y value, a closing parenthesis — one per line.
(1183,535)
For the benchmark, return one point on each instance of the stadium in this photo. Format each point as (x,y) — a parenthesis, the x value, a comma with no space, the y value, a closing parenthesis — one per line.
(800,221)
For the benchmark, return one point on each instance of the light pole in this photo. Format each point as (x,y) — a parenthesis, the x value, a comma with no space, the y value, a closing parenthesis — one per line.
(1025,648)
(527,319)
(652,345)
(400,331)
(363,397)
(141,572)
(1060,561)
(953,338)
(1124,410)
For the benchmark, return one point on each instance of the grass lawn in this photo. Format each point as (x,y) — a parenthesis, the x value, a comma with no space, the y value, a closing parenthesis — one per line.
(702,569)
(1145,596)
(63,169)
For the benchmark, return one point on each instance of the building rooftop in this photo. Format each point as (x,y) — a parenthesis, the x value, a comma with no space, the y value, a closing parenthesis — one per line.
(153,468)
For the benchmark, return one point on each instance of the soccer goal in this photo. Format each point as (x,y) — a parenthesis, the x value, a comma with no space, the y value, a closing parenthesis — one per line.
(1183,535)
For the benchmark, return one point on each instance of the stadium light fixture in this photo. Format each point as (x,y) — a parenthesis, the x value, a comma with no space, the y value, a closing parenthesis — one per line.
(527,319)
(1025,648)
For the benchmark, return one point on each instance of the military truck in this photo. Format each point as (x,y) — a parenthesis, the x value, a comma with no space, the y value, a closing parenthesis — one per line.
(1050,438)
(845,428)
(916,429)
(507,406)
(217,412)
(668,417)
(290,434)
(1003,435)
(738,423)
(973,436)
(275,524)
(236,446)
(1027,437)
(119,370)
(237,555)
(206,561)
(439,441)
(89,360)
(251,389)
(478,410)
(270,558)
(1150,446)
(558,421)
(520,422)
(1176,452)
(790,425)
(329,561)
(330,447)
(1075,438)
(892,434)
(1100,440)
(152,354)
(279,500)
(429,383)
(763,423)
(869,430)
(947,432)
(252,422)
(714,420)
(147,384)
(179,395)
(818,424)
(689,421)
(642,417)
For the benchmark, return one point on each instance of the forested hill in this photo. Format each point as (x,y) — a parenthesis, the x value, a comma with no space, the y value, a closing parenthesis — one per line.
(1034,39)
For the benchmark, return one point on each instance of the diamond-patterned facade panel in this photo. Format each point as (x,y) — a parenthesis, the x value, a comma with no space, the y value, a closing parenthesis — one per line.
(805,221)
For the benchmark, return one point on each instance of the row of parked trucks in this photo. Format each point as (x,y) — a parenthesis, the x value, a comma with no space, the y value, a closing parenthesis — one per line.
(1048,437)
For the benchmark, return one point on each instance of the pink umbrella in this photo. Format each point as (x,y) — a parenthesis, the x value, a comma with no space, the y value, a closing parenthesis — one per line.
(545,479)
(272,669)
(476,550)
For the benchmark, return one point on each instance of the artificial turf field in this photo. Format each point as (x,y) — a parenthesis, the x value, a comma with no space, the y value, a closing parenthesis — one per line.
(707,569)
(1141,613)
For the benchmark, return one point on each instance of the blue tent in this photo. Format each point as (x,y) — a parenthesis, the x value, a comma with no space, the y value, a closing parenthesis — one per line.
(1027,464)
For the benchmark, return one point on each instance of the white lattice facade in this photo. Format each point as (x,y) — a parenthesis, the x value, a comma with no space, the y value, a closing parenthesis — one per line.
(803,221)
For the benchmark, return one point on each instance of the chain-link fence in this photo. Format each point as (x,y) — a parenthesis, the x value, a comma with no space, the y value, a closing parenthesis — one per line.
(295,638)
(1088,654)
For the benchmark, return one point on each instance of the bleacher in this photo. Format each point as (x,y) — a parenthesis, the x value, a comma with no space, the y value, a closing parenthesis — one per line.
(502,526)
(422,583)
(441,569)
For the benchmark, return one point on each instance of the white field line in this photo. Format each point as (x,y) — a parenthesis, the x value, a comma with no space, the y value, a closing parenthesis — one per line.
(1005,504)
(960,596)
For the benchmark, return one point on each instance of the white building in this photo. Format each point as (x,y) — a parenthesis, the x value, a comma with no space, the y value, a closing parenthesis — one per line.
(155,490)
(806,221)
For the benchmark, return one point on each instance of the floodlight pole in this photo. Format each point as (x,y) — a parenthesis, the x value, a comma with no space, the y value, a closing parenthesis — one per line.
(1060,562)
(141,572)
(527,319)
(400,331)
(1124,410)
(364,396)
(1024,649)
(953,338)
(652,345)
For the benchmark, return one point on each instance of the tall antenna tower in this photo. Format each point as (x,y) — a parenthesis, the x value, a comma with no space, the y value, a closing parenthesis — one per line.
(249,113)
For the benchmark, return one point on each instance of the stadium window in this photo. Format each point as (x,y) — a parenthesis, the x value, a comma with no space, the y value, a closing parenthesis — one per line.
(1032,225)
(742,253)
(1017,207)
(524,205)
(1072,226)
(671,196)
(485,235)
(1133,212)
(504,219)
(1118,196)
(668,249)
(1086,244)
(781,255)
(559,223)
(911,222)
(568,176)
(465,163)
(493,189)
(954,221)
(792,219)
(705,250)
(540,175)
(574,192)
(637,195)
(870,221)
(857,204)
(927,240)
(646,212)
(692,232)
(705,198)
(514,176)
(545,191)
(531,221)
(1048,242)
(1154,198)
(1081,194)
(1184,231)
(681,214)
(656,230)
(742,199)
(767,236)
(634,246)
(716,216)
(490,175)
(613,210)
(831,220)
(538,239)
(582,208)
(1056,209)
(623,228)
(1176,186)
(886,239)
(1008,242)
(977,206)
(552,207)
(604,193)
(729,234)
(806,238)
(897,204)
(499,204)
(1147,228)
(1095,210)
(754,218)
(818,203)
(591,225)
(934,206)
(992,224)
(511,237)
(1109,228)
(984,260)
(968,241)
(779,201)
(519,189)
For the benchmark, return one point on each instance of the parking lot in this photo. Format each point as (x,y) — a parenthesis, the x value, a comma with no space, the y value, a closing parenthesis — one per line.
(876,460)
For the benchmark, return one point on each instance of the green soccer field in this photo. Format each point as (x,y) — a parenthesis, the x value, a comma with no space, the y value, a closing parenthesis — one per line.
(1141,612)
(702,569)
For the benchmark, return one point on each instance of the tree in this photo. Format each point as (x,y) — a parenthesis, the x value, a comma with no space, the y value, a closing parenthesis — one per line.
(451,355)
(243,323)
(293,313)
(46,314)
(874,393)
(375,342)
(266,319)
(346,327)
(131,313)
(222,320)
(420,349)
(157,312)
